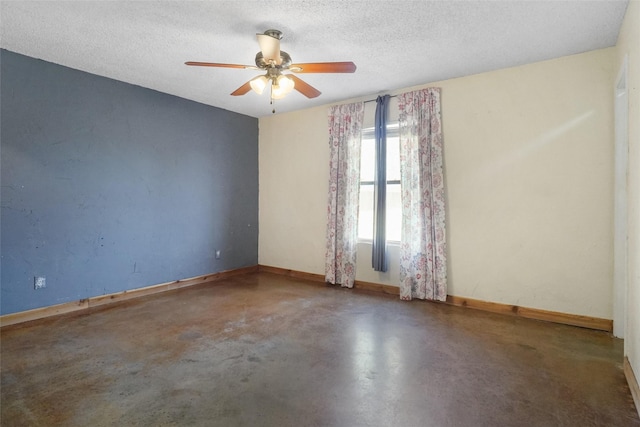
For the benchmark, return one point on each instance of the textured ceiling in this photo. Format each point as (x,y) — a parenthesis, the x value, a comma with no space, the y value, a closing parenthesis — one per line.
(395,44)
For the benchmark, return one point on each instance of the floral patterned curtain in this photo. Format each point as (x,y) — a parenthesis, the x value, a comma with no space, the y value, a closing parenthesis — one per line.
(345,135)
(423,263)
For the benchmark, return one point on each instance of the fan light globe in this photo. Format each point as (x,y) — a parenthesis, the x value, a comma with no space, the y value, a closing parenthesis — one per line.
(286,84)
(281,87)
(258,84)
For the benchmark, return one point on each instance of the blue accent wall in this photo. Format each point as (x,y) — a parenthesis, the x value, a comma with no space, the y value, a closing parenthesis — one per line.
(107,186)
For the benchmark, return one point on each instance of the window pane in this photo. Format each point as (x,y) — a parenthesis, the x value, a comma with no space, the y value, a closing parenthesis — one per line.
(394,212)
(365,212)
(367,173)
(367,160)
(393,159)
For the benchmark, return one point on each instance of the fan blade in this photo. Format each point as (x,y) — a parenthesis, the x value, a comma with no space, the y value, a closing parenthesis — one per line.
(303,87)
(324,67)
(270,47)
(214,64)
(242,89)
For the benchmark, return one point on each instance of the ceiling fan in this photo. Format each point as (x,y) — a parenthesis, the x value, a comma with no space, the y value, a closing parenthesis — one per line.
(275,62)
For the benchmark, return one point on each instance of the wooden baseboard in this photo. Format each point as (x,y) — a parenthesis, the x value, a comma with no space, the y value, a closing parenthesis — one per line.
(39,313)
(633,383)
(514,310)
(291,273)
(494,307)
(83,304)
(367,286)
(534,313)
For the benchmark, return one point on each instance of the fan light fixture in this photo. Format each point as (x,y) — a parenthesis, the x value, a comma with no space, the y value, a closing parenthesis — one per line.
(280,85)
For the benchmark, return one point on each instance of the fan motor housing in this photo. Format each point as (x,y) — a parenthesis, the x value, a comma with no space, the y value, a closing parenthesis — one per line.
(264,64)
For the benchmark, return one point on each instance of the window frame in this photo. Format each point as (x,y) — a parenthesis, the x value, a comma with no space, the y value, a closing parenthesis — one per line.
(393,131)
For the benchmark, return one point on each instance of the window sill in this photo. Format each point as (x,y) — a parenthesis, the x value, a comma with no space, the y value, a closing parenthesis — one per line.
(370,242)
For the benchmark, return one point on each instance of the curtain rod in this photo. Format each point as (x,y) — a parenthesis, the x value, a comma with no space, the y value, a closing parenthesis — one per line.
(373,100)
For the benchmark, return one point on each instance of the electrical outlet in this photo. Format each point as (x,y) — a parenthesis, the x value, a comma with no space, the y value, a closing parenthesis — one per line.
(218,254)
(39,282)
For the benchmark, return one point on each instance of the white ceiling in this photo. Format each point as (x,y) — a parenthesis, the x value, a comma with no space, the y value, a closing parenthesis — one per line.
(395,44)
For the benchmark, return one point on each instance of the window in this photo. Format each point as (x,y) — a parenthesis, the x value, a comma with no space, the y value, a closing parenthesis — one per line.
(367,171)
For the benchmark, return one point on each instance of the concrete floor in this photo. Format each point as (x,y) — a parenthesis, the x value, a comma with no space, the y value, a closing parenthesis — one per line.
(265,350)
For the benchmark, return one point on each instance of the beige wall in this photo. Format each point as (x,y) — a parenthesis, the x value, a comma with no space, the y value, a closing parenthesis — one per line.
(293,177)
(629,44)
(529,167)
